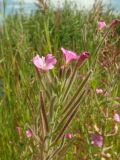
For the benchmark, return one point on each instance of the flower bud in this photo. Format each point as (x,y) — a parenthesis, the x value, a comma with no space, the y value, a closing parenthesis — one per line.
(114,23)
(83,56)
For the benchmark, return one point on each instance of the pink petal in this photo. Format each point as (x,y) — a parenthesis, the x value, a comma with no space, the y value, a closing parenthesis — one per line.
(69,55)
(99,91)
(50,62)
(116,118)
(101,25)
(97,140)
(28,133)
(49,59)
(38,62)
(69,136)
(44,63)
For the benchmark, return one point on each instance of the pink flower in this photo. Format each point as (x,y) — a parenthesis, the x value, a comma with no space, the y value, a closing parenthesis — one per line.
(69,56)
(97,140)
(68,136)
(28,133)
(116,118)
(44,63)
(82,57)
(114,23)
(18,129)
(99,91)
(101,25)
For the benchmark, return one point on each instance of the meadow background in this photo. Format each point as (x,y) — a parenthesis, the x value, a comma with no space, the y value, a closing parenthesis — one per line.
(45,30)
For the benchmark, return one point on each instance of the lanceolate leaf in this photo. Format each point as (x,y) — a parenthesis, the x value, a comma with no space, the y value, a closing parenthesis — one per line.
(57,150)
(71,80)
(71,109)
(63,150)
(65,126)
(51,108)
(77,92)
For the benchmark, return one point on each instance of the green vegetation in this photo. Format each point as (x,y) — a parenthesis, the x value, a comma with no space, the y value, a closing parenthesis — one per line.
(43,32)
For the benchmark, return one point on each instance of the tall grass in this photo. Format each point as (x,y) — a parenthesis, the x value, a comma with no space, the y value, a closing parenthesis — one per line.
(45,31)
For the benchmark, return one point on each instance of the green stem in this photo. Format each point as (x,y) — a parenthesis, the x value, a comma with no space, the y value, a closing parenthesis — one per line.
(43,85)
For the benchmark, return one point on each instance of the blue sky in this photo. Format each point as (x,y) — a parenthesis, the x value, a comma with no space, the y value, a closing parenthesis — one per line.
(14,5)
(29,4)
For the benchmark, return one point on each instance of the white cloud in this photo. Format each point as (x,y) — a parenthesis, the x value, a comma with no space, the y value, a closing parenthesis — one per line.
(86,3)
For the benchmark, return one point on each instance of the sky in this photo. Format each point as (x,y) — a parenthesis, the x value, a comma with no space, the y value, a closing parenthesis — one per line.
(29,4)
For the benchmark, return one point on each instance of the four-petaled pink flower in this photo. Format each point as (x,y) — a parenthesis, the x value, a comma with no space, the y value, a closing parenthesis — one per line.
(68,136)
(44,63)
(101,25)
(99,91)
(97,140)
(69,56)
(116,118)
(28,133)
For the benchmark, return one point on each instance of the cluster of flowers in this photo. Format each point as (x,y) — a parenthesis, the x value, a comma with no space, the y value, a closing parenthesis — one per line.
(48,62)
(97,140)
(102,24)
(44,64)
